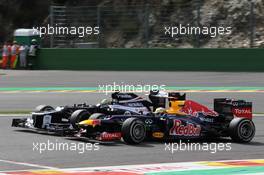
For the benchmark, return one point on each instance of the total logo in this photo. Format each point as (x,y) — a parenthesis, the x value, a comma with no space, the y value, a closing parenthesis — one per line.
(242,111)
(184,130)
(105,136)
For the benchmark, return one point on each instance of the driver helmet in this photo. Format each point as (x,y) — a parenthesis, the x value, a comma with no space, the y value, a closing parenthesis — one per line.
(33,41)
(160,110)
(105,101)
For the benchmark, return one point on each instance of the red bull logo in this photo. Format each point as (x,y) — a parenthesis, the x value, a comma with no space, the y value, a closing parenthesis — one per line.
(193,108)
(185,130)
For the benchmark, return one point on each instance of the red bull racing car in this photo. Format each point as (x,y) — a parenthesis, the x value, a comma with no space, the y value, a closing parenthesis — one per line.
(182,119)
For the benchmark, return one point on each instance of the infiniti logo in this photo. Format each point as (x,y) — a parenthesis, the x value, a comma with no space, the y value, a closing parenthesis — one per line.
(148,121)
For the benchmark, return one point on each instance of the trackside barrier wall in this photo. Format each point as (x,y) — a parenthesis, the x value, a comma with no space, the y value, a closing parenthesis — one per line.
(152,59)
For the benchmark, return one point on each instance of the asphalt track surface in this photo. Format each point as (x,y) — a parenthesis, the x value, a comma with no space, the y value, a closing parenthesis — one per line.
(21,78)
(16,146)
(27,101)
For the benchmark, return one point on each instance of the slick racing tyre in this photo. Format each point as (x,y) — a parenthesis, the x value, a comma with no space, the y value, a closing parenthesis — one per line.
(78,116)
(43,108)
(242,130)
(97,116)
(133,131)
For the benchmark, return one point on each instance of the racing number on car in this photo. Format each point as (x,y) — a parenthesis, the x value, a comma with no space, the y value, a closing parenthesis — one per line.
(180,129)
(46,121)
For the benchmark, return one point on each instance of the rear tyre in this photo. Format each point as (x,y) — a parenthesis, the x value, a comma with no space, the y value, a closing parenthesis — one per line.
(242,130)
(43,108)
(133,131)
(78,116)
(97,116)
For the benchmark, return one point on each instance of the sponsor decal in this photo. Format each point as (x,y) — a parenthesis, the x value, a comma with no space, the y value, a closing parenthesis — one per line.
(124,96)
(106,136)
(242,112)
(158,135)
(135,104)
(241,103)
(193,108)
(90,122)
(138,110)
(185,130)
(95,122)
(148,121)
(206,119)
(46,121)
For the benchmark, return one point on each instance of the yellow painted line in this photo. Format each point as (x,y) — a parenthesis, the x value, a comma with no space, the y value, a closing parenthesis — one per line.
(218,164)
(55,91)
(47,172)
(63,91)
(258,161)
(86,91)
(227,164)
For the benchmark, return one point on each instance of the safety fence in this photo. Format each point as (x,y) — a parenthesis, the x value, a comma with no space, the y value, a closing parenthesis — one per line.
(162,24)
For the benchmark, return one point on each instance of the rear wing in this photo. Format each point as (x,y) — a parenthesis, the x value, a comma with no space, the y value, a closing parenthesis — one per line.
(235,108)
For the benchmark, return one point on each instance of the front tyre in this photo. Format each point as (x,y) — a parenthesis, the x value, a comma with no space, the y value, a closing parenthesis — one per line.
(43,108)
(97,116)
(242,130)
(133,131)
(78,116)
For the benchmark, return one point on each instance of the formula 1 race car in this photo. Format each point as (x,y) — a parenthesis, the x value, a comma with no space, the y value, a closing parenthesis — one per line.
(62,120)
(184,119)
(133,118)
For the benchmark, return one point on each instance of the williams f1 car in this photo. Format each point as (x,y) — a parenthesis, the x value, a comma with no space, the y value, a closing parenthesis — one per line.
(63,119)
(183,119)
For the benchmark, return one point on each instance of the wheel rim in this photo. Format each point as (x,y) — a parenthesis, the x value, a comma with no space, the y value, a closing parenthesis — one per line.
(246,130)
(138,131)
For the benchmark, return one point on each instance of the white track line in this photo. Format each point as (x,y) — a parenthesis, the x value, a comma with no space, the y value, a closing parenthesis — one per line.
(15,115)
(17,171)
(27,164)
